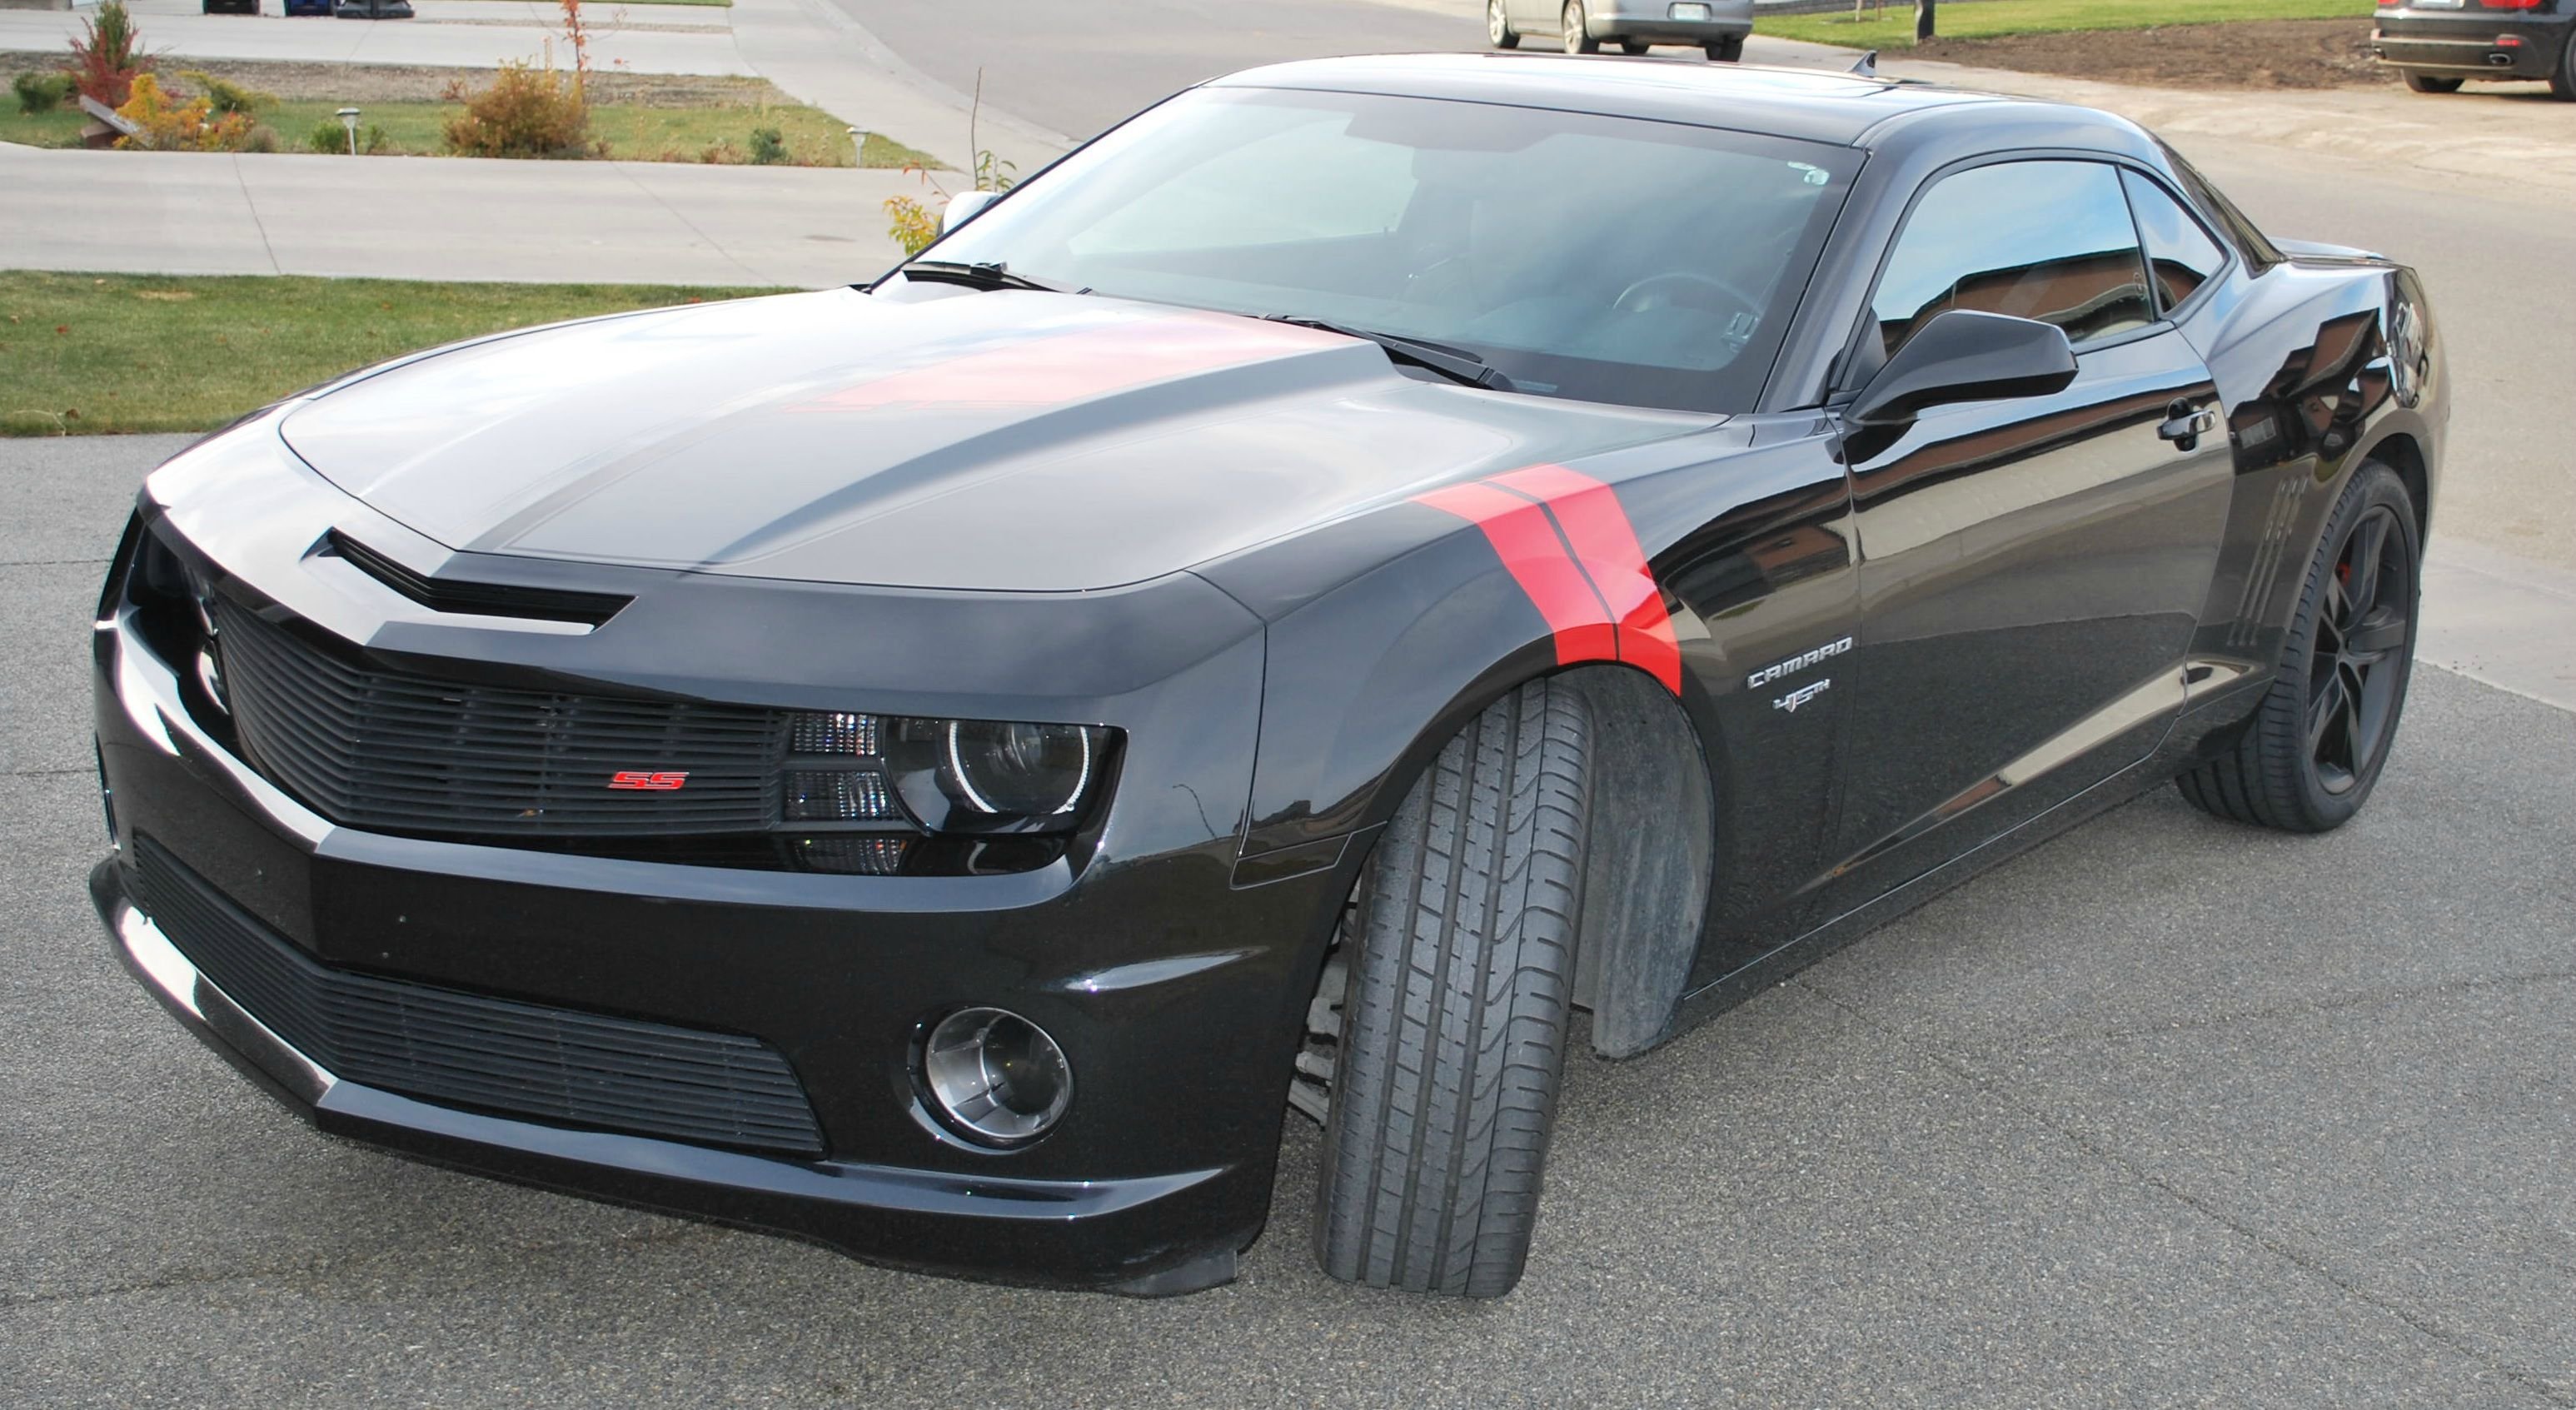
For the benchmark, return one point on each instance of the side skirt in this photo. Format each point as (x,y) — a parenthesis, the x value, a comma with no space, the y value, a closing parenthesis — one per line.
(2178,752)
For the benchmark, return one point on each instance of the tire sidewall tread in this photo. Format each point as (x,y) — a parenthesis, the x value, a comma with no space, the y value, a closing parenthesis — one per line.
(1457,1007)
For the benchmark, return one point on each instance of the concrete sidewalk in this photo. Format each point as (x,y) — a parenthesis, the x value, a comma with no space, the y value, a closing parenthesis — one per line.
(480,45)
(426,218)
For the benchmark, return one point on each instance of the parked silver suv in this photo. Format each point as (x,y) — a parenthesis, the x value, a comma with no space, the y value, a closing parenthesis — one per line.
(1718,26)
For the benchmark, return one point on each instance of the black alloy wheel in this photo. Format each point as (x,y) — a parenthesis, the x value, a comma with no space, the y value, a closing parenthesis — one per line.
(2429,83)
(2357,669)
(2562,79)
(2316,744)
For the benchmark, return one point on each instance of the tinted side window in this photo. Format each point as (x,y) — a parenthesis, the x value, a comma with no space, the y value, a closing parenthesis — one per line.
(2180,254)
(2044,240)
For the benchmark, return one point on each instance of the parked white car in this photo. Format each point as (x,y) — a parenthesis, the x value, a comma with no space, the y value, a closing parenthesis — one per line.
(1717,26)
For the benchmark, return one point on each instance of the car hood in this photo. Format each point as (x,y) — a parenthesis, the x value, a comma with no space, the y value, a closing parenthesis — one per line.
(1010,440)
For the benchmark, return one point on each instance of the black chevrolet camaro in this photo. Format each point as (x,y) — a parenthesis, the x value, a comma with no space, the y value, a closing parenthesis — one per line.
(1359,565)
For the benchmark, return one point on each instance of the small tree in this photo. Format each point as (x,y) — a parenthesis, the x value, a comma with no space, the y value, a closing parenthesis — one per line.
(523,112)
(108,55)
(172,121)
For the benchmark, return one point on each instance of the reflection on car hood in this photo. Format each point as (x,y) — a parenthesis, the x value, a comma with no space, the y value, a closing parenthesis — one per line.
(1026,441)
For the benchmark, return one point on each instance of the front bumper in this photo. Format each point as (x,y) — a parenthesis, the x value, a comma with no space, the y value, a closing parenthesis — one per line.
(1177,993)
(1074,1232)
(2473,43)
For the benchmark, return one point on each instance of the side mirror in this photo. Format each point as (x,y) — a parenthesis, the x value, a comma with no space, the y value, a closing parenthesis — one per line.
(963,206)
(1963,355)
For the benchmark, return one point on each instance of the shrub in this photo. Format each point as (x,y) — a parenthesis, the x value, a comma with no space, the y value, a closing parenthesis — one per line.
(768,147)
(524,112)
(108,56)
(41,92)
(228,96)
(911,224)
(260,139)
(174,122)
(328,138)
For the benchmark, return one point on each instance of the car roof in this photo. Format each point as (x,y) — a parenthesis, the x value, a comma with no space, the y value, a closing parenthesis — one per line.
(1816,105)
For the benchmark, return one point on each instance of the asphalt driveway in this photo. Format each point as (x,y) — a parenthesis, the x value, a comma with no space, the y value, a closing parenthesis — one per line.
(2167,1112)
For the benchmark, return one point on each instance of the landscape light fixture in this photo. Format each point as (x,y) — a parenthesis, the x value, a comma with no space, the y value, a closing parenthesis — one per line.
(349,121)
(858,146)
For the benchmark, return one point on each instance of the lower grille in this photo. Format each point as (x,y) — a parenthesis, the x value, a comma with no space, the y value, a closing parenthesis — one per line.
(499,1055)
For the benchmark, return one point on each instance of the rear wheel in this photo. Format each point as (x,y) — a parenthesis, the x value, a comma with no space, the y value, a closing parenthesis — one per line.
(2316,744)
(1633,46)
(1725,51)
(1454,1011)
(2562,79)
(1578,40)
(1498,26)
(2427,83)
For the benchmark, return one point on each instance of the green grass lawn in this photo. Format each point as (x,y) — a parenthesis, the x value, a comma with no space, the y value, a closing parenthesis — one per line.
(1987,18)
(634,132)
(85,353)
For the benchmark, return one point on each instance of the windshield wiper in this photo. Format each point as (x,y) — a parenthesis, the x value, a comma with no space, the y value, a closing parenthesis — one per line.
(1456,364)
(976,276)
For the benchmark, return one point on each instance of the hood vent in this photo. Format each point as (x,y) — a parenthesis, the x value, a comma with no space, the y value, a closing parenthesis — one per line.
(481,599)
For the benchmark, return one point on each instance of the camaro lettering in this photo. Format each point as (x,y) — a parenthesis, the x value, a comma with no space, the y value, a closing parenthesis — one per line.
(1794,664)
(1791,701)
(649,782)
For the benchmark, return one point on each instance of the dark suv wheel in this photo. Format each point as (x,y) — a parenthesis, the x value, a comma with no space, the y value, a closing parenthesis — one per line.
(2428,83)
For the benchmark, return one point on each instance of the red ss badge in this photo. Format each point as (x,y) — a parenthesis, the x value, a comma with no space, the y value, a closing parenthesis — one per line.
(649,782)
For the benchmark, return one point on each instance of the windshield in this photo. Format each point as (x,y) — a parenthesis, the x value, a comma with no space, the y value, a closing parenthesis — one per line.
(1599,258)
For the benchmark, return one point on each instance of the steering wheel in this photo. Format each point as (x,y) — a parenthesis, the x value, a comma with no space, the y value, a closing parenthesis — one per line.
(1639,297)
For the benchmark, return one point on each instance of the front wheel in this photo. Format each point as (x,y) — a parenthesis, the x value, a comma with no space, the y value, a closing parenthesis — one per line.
(1578,34)
(1455,1008)
(2428,83)
(2316,744)
(1498,26)
(1633,46)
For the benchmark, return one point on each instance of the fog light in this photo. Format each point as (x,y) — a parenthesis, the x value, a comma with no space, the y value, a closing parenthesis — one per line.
(996,1076)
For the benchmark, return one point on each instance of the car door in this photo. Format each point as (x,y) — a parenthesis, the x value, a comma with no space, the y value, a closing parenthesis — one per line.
(2031,569)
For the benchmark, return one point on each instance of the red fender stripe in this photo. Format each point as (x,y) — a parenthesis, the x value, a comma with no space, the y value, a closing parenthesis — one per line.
(1605,543)
(1531,552)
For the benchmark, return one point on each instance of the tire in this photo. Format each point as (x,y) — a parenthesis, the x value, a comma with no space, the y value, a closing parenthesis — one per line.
(1725,51)
(2309,757)
(2562,79)
(1498,26)
(1455,1012)
(2427,83)
(1578,40)
(1633,46)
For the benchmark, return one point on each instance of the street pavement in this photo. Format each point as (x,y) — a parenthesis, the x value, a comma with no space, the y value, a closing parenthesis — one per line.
(2168,1112)
(651,222)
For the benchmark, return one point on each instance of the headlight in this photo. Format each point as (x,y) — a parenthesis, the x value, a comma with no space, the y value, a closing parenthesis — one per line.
(879,774)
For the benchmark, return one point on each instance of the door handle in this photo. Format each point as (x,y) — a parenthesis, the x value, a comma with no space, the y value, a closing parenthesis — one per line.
(2185,424)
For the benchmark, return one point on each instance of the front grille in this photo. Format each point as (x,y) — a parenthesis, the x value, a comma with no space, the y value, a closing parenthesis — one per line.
(392,751)
(499,1055)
